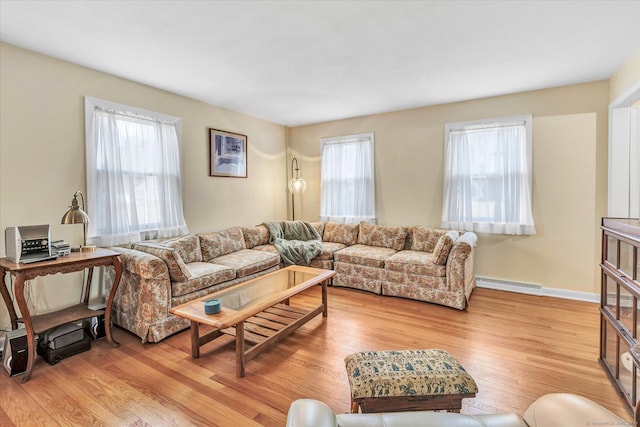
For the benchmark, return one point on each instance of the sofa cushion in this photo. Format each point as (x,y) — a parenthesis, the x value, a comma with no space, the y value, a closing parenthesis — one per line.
(187,246)
(443,247)
(178,271)
(385,236)
(424,238)
(319,226)
(328,250)
(221,243)
(347,234)
(248,261)
(255,236)
(415,262)
(203,275)
(267,248)
(373,256)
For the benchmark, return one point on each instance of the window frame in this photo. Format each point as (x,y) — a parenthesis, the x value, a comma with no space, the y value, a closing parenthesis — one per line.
(370,136)
(90,105)
(489,226)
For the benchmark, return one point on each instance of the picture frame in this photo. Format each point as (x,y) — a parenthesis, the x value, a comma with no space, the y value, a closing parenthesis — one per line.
(227,154)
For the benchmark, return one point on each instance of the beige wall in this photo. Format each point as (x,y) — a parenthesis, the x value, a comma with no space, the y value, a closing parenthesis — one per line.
(42,164)
(625,77)
(42,156)
(569,178)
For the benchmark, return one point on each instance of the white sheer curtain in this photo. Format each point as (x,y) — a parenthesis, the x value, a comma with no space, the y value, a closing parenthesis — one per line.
(133,175)
(347,193)
(487,181)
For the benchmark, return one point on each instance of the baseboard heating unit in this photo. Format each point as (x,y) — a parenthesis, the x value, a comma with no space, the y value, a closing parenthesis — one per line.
(535,289)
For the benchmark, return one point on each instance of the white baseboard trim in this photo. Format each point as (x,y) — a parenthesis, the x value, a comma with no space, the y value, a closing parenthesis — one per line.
(535,289)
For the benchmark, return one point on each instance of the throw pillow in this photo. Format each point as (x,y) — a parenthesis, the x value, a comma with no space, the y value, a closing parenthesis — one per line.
(319,226)
(384,236)
(221,243)
(178,271)
(424,239)
(187,246)
(255,236)
(347,234)
(443,247)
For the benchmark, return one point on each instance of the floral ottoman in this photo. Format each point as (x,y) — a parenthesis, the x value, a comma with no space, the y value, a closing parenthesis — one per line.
(407,380)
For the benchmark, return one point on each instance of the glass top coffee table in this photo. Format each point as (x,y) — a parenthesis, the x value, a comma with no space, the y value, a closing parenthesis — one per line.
(256,312)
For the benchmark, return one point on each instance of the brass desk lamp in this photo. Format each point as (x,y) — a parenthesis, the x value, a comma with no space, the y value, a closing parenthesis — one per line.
(77,215)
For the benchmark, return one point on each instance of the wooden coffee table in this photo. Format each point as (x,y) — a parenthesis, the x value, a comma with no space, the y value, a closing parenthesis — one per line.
(256,312)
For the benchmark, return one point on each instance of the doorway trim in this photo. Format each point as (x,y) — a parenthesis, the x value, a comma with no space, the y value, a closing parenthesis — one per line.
(624,155)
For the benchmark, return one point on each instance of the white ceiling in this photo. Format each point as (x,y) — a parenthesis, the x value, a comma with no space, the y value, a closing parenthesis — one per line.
(301,62)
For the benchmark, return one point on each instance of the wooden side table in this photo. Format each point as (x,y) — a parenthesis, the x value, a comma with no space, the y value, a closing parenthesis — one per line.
(38,324)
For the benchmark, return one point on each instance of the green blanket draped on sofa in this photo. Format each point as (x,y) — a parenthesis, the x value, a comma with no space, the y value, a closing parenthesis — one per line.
(298,242)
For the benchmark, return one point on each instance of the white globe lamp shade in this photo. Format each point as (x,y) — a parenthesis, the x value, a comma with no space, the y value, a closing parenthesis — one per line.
(297,185)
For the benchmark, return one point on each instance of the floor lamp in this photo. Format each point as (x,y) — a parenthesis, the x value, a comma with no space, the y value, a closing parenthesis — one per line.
(296,185)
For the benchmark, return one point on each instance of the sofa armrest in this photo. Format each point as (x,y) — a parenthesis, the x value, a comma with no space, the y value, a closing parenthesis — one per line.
(313,413)
(460,273)
(567,410)
(143,264)
(310,413)
(144,292)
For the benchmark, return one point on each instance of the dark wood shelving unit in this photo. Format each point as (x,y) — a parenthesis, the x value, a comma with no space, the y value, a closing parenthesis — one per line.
(619,309)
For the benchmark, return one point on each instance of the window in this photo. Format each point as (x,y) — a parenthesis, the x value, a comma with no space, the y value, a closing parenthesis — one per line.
(133,174)
(487,176)
(347,192)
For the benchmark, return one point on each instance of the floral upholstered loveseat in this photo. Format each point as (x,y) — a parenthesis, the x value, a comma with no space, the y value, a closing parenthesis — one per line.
(421,263)
(413,262)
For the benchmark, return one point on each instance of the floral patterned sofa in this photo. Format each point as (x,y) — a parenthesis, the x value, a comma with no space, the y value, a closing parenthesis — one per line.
(420,263)
(413,262)
(159,275)
(258,238)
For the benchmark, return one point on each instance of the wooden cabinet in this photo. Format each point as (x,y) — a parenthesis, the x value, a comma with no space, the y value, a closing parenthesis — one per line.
(619,309)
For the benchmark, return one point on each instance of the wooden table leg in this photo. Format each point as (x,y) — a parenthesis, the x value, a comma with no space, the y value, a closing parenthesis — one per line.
(7,300)
(87,289)
(240,350)
(325,311)
(195,339)
(117,265)
(26,319)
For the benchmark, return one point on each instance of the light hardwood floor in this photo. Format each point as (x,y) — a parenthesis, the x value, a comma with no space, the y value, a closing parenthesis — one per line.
(517,347)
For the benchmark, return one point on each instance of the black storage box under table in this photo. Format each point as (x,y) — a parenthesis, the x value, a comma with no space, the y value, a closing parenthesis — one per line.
(63,341)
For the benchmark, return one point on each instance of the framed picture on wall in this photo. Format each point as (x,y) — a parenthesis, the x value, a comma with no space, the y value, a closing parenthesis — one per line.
(227,154)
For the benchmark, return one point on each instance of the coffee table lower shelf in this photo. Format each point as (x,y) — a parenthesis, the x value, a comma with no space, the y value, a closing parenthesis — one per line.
(262,331)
